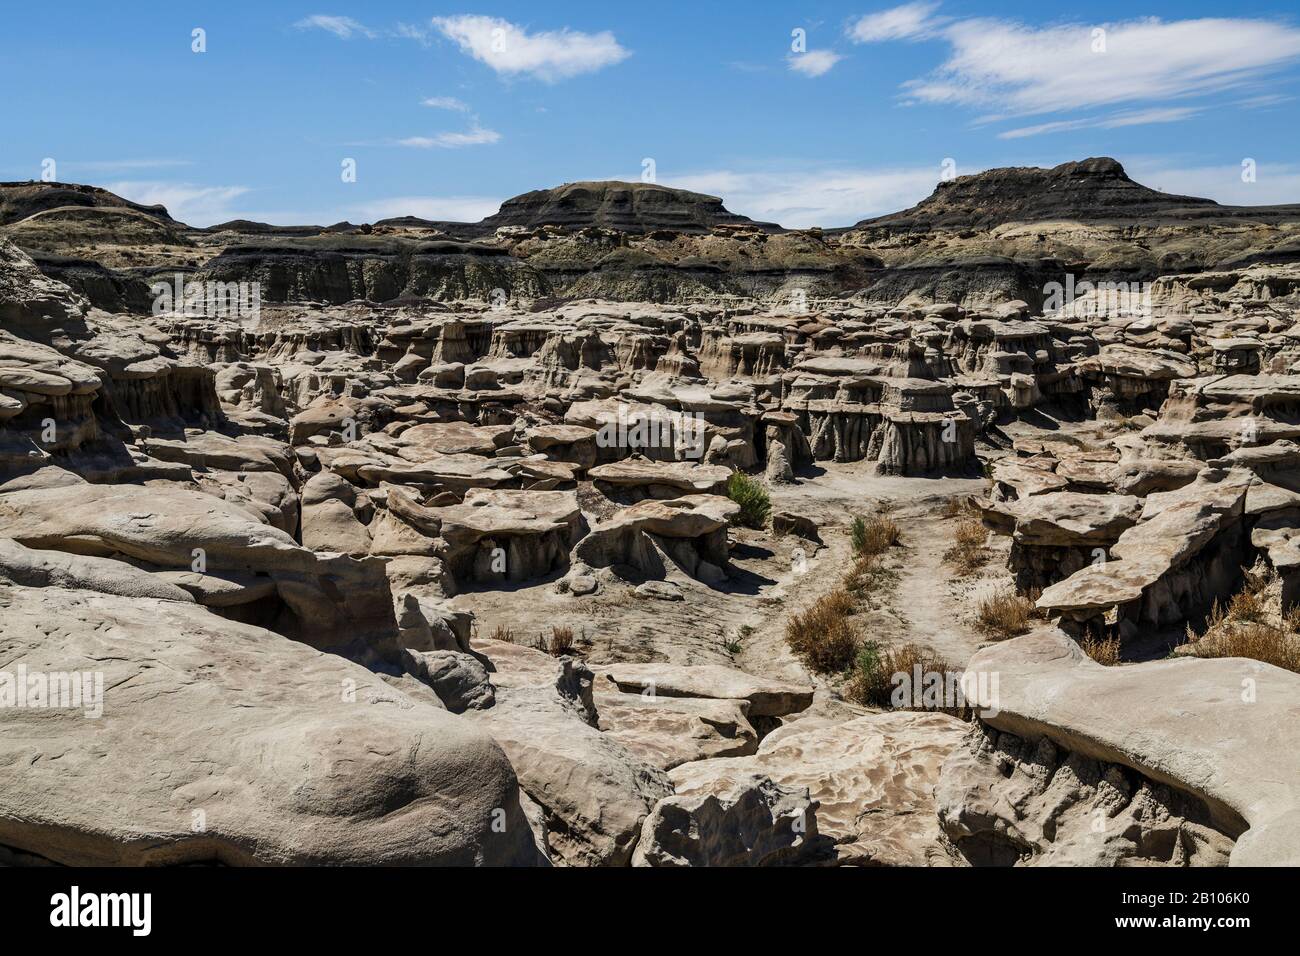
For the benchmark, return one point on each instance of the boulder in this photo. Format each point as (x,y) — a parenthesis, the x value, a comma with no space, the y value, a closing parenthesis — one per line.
(1215,730)
(744,822)
(220,742)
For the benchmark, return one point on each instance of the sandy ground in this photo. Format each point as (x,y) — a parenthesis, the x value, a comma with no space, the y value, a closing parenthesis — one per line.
(741,622)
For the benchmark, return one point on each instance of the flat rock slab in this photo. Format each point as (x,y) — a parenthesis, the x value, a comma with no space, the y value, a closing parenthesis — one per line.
(766,698)
(1069,518)
(873,779)
(223,742)
(667,731)
(1225,730)
(684,475)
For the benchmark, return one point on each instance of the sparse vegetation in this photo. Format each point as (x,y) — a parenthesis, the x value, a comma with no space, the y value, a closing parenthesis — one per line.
(823,636)
(755,503)
(561,642)
(1004,614)
(1252,624)
(503,633)
(1103,650)
(1260,642)
(874,535)
(874,681)
(967,554)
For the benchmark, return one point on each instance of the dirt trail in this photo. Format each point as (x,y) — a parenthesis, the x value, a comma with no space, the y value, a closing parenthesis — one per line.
(935,604)
(928,605)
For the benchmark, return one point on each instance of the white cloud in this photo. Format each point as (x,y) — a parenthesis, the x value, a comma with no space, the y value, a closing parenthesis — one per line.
(1020,70)
(474,136)
(510,49)
(1124,118)
(910,21)
(819,197)
(207,205)
(1275,183)
(445,103)
(409,32)
(345,28)
(814,62)
(192,204)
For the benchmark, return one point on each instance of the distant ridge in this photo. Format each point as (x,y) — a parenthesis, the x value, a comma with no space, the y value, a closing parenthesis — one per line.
(1090,190)
(18,200)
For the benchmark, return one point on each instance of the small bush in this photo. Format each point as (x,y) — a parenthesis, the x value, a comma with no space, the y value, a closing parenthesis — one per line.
(1103,650)
(1005,614)
(873,677)
(823,636)
(862,576)
(1252,625)
(561,642)
(871,684)
(749,493)
(1248,605)
(872,536)
(967,553)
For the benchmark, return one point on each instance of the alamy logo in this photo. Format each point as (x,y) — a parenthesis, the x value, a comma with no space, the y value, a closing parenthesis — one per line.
(932,690)
(241,301)
(58,690)
(75,908)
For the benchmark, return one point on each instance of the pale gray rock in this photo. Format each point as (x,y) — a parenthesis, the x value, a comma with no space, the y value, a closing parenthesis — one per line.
(747,822)
(220,742)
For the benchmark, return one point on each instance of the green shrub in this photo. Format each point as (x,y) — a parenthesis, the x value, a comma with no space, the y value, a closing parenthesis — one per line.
(749,493)
(873,536)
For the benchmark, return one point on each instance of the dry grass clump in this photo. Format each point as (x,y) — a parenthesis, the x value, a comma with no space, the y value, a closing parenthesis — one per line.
(957,506)
(867,577)
(1256,637)
(967,554)
(561,641)
(1252,625)
(503,633)
(1103,650)
(1260,642)
(1249,605)
(1005,614)
(872,536)
(874,682)
(823,636)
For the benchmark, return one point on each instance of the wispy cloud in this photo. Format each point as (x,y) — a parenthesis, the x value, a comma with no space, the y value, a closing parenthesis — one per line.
(345,28)
(798,198)
(1124,118)
(907,22)
(1019,70)
(190,203)
(445,103)
(814,62)
(548,56)
(474,136)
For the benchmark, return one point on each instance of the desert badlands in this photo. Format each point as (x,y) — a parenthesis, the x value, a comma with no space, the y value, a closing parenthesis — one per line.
(617,529)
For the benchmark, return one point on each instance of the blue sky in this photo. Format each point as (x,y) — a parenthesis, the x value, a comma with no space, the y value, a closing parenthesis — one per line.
(448,109)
